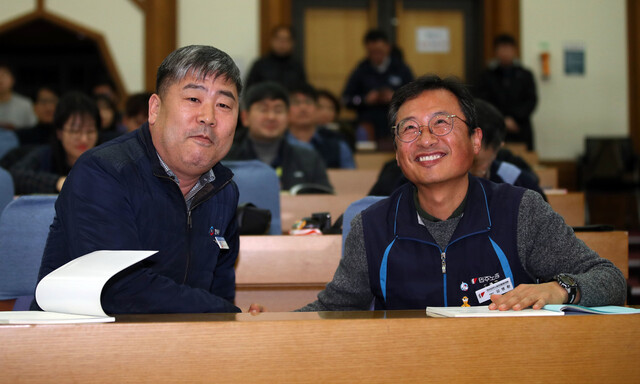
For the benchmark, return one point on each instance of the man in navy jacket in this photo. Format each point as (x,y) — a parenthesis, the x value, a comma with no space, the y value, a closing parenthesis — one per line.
(447,238)
(162,188)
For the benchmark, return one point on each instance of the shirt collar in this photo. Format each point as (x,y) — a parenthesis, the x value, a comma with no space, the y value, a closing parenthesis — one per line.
(207,177)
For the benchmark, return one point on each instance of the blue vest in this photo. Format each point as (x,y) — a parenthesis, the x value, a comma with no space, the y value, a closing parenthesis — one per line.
(408,270)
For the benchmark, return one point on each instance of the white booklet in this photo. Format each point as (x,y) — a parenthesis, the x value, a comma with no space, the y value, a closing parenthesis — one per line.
(484,311)
(547,310)
(71,293)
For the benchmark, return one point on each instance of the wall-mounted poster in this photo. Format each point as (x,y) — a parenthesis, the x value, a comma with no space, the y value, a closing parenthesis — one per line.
(574,59)
(433,40)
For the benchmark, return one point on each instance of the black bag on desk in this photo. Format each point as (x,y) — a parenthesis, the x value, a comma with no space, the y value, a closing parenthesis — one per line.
(253,220)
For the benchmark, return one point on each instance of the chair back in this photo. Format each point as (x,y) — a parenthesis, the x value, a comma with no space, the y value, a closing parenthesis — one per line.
(24,227)
(352,210)
(8,141)
(6,188)
(259,184)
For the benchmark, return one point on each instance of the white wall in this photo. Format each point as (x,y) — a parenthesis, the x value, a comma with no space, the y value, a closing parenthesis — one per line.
(229,25)
(122,25)
(572,107)
(11,9)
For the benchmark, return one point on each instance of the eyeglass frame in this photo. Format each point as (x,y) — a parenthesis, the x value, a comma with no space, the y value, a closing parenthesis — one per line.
(394,129)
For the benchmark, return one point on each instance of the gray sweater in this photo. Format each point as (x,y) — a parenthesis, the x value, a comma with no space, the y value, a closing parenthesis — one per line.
(547,246)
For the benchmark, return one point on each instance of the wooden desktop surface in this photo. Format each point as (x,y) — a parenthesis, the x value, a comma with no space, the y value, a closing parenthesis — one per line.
(335,347)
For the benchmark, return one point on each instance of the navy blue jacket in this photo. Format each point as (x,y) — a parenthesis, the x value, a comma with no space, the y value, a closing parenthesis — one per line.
(408,270)
(118,197)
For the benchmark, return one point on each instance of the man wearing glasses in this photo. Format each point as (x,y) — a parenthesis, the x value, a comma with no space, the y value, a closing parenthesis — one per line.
(447,238)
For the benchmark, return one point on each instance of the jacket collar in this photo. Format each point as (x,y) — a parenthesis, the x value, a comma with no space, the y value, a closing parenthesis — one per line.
(476,217)
(222,173)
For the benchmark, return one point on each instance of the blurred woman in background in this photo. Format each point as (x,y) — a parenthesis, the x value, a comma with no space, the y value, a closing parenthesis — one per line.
(45,168)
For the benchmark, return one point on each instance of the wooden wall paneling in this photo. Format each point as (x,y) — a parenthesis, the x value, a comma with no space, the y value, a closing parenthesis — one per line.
(500,16)
(160,36)
(633,38)
(329,57)
(272,14)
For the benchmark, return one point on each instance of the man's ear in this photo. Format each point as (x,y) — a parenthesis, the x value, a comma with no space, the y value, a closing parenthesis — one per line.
(154,108)
(476,140)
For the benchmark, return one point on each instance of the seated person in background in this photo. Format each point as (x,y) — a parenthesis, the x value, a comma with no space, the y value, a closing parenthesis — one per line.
(16,111)
(439,239)
(45,168)
(161,187)
(264,112)
(304,130)
(328,113)
(494,130)
(136,111)
(44,108)
(111,127)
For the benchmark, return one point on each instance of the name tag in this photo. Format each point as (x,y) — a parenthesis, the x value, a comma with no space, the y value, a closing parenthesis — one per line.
(222,243)
(497,288)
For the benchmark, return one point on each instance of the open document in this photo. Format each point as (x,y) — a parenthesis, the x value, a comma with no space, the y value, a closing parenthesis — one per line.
(71,293)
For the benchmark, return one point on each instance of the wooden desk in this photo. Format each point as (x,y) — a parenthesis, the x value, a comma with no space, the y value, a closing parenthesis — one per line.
(613,246)
(284,273)
(570,206)
(372,160)
(548,176)
(294,208)
(348,347)
(353,181)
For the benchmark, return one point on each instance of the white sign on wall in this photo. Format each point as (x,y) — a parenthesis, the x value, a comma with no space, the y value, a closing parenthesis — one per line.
(433,40)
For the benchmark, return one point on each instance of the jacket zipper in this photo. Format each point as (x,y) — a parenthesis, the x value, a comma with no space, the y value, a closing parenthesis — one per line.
(190,226)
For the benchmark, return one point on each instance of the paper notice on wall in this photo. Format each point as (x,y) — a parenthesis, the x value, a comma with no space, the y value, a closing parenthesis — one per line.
(433,40)
(574,59)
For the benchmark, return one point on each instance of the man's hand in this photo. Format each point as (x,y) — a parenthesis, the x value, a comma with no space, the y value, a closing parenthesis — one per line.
(373,97)
(530,295)
(511,124)
(254,309)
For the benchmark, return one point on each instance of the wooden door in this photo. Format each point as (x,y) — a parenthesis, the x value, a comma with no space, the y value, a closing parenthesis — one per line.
(333,45)
(432,40)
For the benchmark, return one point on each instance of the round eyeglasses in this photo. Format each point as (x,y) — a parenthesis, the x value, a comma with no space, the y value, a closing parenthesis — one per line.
(408,130)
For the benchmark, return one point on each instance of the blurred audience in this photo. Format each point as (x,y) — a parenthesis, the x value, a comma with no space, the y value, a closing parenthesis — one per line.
(510,88)
(304,130)
(44,169)
(136,110)
(278,65)
(371,84)
(44,108)
(485,164)
(265,108)
(16,111)
(110,116)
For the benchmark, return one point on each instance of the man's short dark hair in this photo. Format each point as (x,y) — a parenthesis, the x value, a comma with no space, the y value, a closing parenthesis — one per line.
(136,104)
(75,103)
(284,27)
(491,121)
(374,35)
(504,39)
(334,100)
(431,83)
(8,67)
(304,89)
(199,60)
(267,90)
